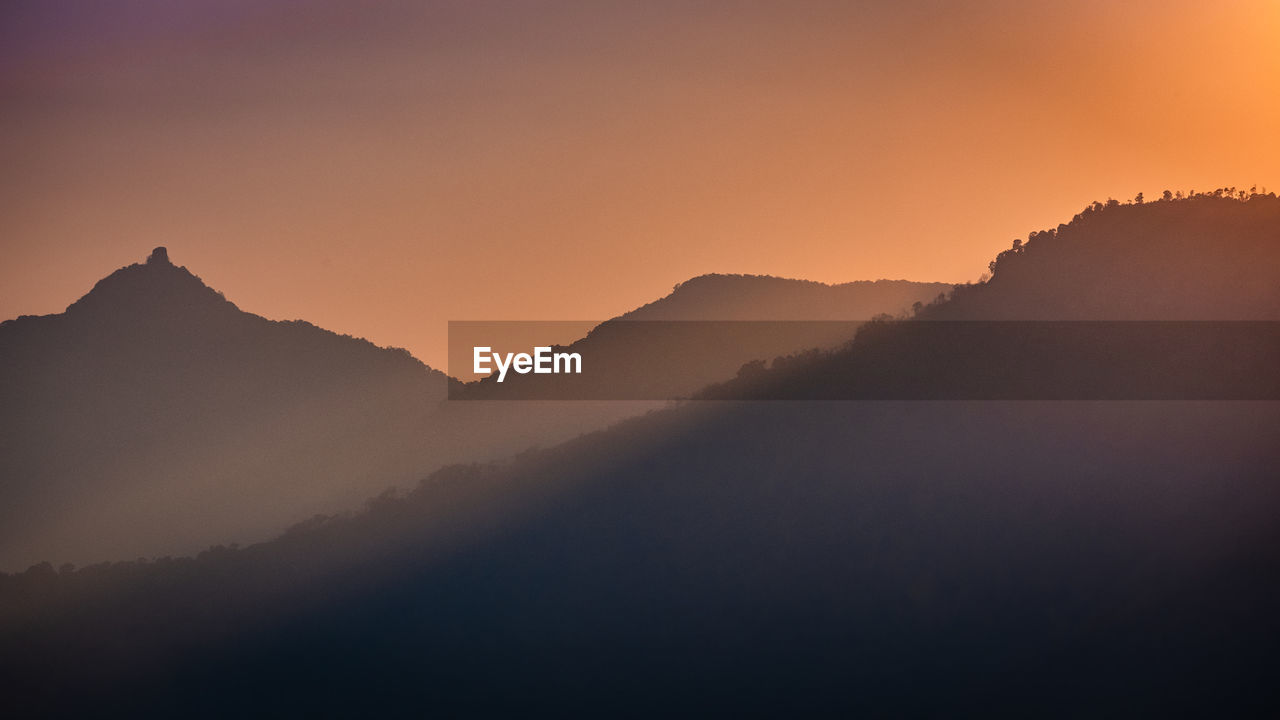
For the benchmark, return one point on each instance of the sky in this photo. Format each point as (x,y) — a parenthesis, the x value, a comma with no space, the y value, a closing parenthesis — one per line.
(382,168)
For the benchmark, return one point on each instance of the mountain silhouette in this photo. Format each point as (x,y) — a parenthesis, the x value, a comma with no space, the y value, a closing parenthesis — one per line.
(705,330)
(764,297)
(1208,257)
(155,417)
(885,558)
(1171,299)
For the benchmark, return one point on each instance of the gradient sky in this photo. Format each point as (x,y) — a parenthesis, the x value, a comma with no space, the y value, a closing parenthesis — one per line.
(381,168)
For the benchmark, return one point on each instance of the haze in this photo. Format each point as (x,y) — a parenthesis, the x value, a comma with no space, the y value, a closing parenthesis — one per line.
(379,170)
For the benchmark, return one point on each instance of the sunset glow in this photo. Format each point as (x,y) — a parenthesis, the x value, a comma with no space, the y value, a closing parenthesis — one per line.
(380,172)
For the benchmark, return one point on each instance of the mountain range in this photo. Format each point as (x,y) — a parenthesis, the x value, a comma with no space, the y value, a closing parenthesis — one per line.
(904,558)
(154,417)
(705,331)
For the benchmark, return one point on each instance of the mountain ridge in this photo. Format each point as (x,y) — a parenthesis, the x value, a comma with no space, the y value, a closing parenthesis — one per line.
(705,330)
(725,296)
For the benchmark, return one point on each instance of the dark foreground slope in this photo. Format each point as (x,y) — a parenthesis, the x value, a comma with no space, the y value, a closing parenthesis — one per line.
(1107,558)
(954,558)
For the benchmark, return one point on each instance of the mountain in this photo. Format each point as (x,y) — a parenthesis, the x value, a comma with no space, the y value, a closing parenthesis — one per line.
(155,417)
(885,558)
(1164,300)
(1209,257)
(763,297)
(707,329)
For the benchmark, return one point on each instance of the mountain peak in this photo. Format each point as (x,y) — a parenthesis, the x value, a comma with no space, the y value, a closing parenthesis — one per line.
(159,256)
(155,287)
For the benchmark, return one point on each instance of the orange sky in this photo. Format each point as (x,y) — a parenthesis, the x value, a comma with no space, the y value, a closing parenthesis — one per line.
(381,168)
